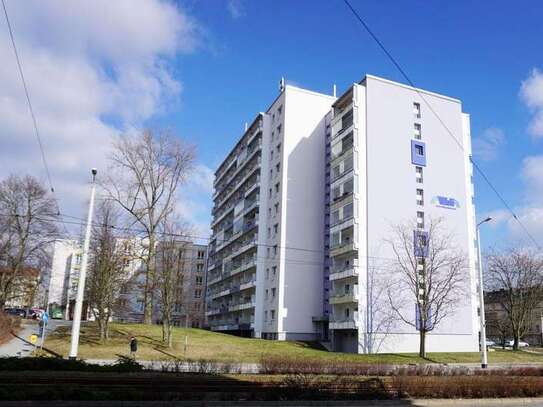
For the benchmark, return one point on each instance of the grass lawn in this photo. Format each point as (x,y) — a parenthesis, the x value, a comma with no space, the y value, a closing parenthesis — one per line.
(220,347)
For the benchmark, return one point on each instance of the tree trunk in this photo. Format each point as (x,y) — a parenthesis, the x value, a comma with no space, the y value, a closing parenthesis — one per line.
(422,345)
(149,282)
(101,327)
(106,330)
(170,336)
(516,338)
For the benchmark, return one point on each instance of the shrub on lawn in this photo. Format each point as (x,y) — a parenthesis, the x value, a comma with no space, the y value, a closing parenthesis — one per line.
(283,365)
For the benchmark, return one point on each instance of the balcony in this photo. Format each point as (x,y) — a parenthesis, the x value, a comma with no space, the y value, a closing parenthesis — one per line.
(345,271)
(237,173)
(241,305)
(344,323)
(342,248)
(342,297)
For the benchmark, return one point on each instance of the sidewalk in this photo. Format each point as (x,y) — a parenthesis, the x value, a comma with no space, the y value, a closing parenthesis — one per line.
(20,344)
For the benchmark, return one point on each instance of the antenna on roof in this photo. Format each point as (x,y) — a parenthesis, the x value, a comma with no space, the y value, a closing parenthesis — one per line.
(282,84)
(246,126)
(334,90)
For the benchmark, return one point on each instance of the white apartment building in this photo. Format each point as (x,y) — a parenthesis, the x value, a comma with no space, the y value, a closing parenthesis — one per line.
(392,161)
(304,204)
(265,254)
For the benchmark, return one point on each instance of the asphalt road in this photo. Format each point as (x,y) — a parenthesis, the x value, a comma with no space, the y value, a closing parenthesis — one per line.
(19,345)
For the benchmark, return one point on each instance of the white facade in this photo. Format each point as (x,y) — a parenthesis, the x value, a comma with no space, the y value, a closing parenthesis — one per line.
(376,184)
(268,234)
(304,205)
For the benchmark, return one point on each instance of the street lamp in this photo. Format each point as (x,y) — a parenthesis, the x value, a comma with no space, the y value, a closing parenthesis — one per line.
(484,357)
(82,274)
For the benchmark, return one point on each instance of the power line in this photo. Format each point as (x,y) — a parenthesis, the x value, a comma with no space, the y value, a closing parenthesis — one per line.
(30,108)
(408,79)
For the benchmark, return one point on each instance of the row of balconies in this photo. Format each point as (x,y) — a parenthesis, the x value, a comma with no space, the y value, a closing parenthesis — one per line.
(235,288)
(232,237)
(238,172)
(234,184)
(244,185)
(232,306)
(234,155)
(231,269)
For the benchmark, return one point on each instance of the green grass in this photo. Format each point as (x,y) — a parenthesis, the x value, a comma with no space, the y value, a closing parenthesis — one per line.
(220,347)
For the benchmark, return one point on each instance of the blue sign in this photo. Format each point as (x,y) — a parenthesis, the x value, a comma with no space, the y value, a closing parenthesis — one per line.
(445,202)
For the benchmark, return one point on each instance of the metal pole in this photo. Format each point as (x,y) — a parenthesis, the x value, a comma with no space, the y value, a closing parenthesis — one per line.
(76,325)
(484,357)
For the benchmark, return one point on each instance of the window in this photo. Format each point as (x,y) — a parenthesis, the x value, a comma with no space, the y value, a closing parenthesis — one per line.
(277,168)
(265,315)
(270,193)
(272,314)
(278,148)
(276,228)
(418,153)
(274,270)
(199,268)
(273,292)
(416,109)
(197,293)
(201,254)
(268,250)
(275,250)
(279,129)
(271,174)
(199,280)
(277,188)
(417,133)
(420,220)
(276,206)
(418,174)
(271,155)
(269,212)
(279,110)
(139,305)
(267,274)
(347,312)
(420,196)
(269,232)
(266,294)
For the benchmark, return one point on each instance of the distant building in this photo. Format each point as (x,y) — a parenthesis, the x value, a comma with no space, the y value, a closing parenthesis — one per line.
(497,323)
(62,279)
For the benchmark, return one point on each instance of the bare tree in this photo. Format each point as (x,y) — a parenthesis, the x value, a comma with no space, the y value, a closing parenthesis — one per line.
(27,227)
(173,279)
(428,272)
(518,275)
(108,267)
(146,171)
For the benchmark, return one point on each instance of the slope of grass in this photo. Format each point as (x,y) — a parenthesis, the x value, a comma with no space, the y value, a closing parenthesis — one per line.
(221,347)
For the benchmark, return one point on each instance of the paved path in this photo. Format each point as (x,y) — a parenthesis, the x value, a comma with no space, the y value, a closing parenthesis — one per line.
(19,345)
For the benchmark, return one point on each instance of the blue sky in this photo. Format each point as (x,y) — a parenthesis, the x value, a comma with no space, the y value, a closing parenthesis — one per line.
(222,60)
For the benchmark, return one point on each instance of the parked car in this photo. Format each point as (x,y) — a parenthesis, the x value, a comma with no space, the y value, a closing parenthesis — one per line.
(490,342)
(521,344)
(17,312)
(56,313)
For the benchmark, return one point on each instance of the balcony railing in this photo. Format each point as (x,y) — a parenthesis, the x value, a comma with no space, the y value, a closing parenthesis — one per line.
(345,322)
(340,297)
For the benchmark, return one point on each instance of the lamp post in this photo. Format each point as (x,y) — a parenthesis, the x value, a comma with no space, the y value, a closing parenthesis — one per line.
(76,325)
(484,357)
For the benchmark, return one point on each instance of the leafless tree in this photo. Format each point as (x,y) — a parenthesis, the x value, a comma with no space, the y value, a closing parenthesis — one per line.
(108,273)
(146,171)
(27,227)
(429,272)
(498,326)
(173,274)
(518,276)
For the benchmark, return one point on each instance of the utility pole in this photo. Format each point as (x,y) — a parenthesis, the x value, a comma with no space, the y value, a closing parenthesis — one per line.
(484,357)
(76,325)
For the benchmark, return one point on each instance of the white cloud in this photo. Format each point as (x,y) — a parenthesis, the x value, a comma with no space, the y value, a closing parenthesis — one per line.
(532,175)
(236,8)
(93,69)
(486,146)
(531,93)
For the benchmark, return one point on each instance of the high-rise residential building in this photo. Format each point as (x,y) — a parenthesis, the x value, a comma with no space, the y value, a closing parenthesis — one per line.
(304,209)
(264,274)
(393,161)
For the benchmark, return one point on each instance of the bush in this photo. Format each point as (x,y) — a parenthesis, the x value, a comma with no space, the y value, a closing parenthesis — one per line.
(58,364)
